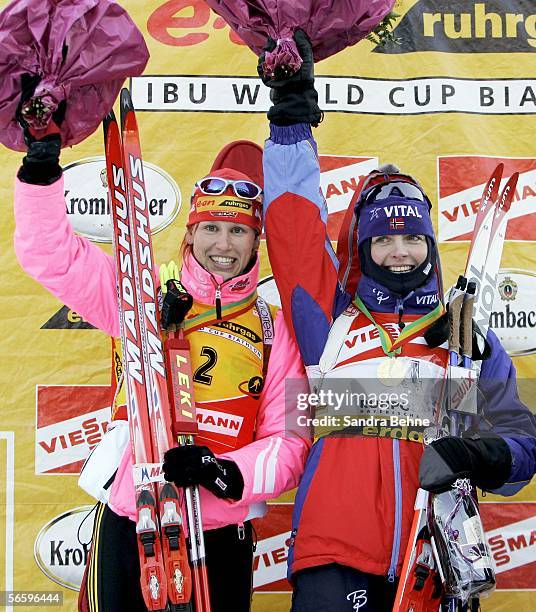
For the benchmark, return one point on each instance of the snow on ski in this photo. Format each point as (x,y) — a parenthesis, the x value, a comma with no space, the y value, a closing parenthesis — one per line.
(165,571)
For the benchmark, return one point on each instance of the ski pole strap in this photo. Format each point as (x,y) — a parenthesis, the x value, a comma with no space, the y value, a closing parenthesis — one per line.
(410,331)
(229,311)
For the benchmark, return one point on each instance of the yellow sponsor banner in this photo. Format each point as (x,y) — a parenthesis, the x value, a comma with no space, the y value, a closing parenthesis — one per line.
(454,94)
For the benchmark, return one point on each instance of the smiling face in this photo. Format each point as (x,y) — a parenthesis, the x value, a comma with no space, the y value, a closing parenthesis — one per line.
(222,247)
(399,253)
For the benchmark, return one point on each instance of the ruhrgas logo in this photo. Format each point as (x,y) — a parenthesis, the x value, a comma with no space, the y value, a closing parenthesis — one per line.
(462,179)
(466,26)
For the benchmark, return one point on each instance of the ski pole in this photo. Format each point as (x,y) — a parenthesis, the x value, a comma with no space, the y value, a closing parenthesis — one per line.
(466,325)
(197,543)
(455,307)
(467,335)
(184,428)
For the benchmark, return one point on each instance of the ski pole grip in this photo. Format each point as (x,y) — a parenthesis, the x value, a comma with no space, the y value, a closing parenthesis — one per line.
(467,320)
(181,386)
(455,307)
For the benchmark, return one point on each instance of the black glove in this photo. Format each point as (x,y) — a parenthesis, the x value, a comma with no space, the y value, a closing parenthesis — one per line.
(41,165)
(196,465)
(295,99)
(175,305)
(484,458)
(438,333)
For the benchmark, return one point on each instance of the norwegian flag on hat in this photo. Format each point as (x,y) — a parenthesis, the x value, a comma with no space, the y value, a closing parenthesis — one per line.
(397,223)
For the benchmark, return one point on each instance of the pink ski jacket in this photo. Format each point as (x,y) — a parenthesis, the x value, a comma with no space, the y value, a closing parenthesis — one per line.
(82,276)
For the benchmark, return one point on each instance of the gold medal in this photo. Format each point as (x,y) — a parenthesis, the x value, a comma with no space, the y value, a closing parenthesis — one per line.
(392,371)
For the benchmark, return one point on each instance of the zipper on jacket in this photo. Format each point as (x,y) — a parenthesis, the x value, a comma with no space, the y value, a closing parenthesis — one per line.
(218,302)
(400,308)
(391,574)
(241,531)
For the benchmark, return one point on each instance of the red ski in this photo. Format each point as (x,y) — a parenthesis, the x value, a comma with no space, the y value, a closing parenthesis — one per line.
(165,570)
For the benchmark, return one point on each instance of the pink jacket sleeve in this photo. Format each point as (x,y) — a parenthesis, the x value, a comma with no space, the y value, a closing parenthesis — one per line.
(73,269)
(274,462)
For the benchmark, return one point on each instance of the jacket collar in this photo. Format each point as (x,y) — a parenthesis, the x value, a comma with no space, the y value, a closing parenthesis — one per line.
(202,285)
(378,298)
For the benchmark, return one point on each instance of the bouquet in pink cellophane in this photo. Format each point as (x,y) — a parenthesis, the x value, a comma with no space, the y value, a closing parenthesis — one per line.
(331,25)
(51,51)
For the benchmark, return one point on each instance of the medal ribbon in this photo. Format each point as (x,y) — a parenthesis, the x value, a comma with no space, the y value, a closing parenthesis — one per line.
(229,311)
(410,331)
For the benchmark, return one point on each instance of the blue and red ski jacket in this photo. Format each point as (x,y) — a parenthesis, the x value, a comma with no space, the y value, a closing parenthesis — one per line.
(354,505)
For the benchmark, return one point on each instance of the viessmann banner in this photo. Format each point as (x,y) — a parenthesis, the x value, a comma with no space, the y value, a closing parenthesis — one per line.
(451,97)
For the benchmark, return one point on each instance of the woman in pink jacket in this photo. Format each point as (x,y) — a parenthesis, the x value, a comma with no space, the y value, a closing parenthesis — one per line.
(239,376)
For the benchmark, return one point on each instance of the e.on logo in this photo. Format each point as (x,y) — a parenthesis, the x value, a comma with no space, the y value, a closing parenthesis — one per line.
(183,23)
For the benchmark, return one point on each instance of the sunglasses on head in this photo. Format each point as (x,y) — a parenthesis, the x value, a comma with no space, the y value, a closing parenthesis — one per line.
(400,189)
(213,185)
